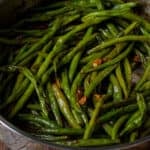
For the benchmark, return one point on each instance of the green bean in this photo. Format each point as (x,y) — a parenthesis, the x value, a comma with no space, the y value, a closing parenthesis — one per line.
(107,128)
(115,104)
(55,63)
(65,84)
(110,89)
(133,123)
(39,90)
(90,111)
(34,107)
(90,142)
(93,76)
(141,104)
(33,33)
(117,92)
(112,29)
(39,59)
(33,125)
(117,126)
(133,136)
(11,41)
(94,99)
(28,59)
(101,75)
(15,95)
(19,80)
(70,19)
(58,47)
(62,131)
(75,60)
(99,4)
(107,13)
(144,77)
(128,73)
(77,117)
(41,17)
(122,23)
(110,26)
(91,125)
(51,138)
(125,5)
(9,68)
(38,119)
(43,67)
(119,40)
(84,117)
(49,7)
(130,28)
(119,47)
(116,113)
(131,16)
(82,3)
(130,100)
(147,47)
(145,86)
(78,47)
(95,19)
(64,107)
(45,76)
(42,54)
(136,119)
(95,55)
(121,81)
(144,31)
(20,52)
(57,11)
(54,105)
(47,37)
(114,61)
(105,34)
(87,81)
(21,89)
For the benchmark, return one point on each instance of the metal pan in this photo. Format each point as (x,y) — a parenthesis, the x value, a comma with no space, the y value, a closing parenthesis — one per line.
(7,15)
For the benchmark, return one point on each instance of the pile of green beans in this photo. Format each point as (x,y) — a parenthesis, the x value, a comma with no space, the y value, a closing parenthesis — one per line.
(77,73)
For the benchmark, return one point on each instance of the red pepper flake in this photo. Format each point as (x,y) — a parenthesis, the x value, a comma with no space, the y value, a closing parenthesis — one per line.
(79,93)
(136,58)
(105,59)
(97,62)
(82,101)
(97,96)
